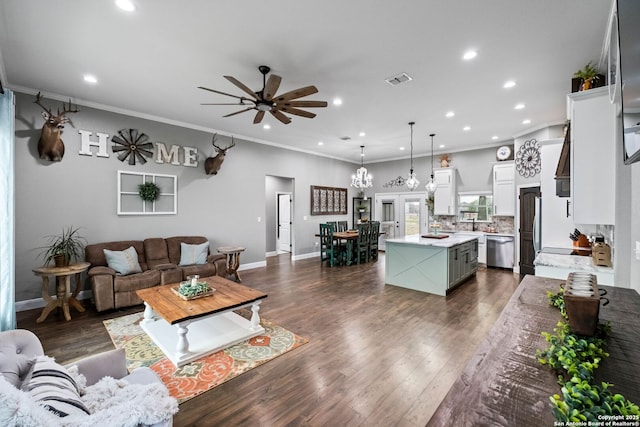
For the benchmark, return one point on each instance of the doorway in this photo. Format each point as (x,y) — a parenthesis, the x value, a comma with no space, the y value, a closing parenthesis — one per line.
(528,196)
(283,236)
(400,215)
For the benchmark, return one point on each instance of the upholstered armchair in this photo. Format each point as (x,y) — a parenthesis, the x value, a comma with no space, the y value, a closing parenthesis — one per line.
(31,383)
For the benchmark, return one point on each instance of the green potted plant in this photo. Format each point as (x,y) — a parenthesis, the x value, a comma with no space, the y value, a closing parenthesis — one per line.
(149,191)
(589,74)
(64,247)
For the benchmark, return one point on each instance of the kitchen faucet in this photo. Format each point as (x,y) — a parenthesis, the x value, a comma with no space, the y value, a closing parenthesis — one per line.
(473,224)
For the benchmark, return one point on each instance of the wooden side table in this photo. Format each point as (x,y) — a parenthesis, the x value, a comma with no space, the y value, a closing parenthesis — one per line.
(63,288)
(233,259)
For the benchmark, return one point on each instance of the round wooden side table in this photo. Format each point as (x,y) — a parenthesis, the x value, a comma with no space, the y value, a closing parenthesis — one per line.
(63,298)
(233,259)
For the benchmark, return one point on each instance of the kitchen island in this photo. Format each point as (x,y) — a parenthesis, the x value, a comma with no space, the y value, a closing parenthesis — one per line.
(435,266)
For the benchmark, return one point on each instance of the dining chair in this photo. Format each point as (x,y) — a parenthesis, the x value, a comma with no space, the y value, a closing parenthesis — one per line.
(343,226)
(362,244)
(374,233)
(330,249)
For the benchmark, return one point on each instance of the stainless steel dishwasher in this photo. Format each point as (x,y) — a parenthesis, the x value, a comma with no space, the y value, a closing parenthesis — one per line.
(500,251)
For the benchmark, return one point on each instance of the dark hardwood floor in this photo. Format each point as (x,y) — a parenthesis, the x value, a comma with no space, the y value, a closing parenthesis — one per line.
(377,355)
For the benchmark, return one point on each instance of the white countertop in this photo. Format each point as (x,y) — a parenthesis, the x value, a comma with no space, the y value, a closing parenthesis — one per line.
(474,232)
(576,262)
(447,242)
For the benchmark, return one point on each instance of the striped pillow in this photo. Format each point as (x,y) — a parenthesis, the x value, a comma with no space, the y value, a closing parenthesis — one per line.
(51,386)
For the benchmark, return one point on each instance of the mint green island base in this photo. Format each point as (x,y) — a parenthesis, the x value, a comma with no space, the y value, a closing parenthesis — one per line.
(429,265)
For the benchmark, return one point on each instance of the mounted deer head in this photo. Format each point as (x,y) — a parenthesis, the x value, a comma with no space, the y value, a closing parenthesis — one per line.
(50,145)
(212,164)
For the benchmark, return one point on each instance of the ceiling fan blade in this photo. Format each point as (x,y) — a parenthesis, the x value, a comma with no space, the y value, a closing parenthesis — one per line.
(297,93)
(238,112)
(272,87)
(278,115)
(298,112)
(221,93)
(258,118)
(304,104)
(241,86)
(230,103)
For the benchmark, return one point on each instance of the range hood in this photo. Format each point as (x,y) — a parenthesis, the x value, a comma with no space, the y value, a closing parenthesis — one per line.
(563,171)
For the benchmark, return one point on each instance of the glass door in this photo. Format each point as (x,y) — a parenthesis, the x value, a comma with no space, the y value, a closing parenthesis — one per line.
(413,212)
(388,213)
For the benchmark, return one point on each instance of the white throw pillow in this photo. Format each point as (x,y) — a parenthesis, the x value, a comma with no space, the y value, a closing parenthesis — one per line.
(193,254)
(123,262)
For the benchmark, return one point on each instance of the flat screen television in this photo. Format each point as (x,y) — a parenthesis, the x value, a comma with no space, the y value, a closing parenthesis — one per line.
(628,74)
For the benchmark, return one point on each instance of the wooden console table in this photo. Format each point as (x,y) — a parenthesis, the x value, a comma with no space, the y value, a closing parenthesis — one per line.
(504,384)
(233,259)
(63,298)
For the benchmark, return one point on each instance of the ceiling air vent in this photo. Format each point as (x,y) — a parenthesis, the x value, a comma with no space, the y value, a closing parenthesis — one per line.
(398,78)
(345,138)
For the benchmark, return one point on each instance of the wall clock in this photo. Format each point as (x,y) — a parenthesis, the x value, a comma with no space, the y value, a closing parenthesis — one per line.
(528,158)
(503,153)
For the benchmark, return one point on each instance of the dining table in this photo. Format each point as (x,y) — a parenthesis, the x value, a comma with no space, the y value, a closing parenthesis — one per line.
(349,236)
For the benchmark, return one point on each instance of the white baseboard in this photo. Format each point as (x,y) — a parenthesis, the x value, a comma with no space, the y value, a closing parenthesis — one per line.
(272,253)
(39,302)
(251,265)
(305,256)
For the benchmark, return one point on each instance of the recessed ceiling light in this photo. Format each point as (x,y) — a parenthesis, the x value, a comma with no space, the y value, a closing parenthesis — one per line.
(401,148)
(526,121)
(320,143)
(126,5)
(470,54)
(509,84)
(337,101)
(90,79)
(450,114)
(494,137)
(519,106)
(266,126)
(363,134)
(466,128)
(441,145)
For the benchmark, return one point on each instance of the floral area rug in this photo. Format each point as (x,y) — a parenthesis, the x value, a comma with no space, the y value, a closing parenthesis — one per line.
(201,375)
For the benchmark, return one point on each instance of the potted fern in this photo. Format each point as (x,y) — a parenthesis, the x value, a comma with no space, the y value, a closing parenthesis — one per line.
(63,248)
(589,75)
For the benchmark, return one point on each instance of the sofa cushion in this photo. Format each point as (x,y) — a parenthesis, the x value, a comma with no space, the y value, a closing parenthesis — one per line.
(202,270)
(133,282)
(174,245)
(18,349)
(94,253)
(123,262)
(53,388)
(193,254)
(156,252)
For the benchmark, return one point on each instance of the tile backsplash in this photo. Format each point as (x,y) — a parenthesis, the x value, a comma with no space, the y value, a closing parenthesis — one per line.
(502,224)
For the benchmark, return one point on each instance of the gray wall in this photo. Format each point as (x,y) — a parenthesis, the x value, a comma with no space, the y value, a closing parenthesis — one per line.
(81,190)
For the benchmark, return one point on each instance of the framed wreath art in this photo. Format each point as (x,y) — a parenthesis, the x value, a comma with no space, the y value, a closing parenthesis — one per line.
(528,159)
(149,191)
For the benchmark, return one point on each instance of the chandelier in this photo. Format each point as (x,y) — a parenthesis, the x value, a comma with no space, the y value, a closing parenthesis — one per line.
(431,185)
(361,179)
(412,181)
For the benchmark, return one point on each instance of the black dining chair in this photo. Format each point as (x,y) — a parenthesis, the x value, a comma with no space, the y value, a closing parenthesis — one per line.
(374,233)
(330,249)
(343,226)
(362,244)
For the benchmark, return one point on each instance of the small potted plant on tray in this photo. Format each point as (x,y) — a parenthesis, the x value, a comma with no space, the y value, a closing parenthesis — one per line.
(62,248)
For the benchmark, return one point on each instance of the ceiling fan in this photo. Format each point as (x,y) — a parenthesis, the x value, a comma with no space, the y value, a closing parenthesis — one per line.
(267,100)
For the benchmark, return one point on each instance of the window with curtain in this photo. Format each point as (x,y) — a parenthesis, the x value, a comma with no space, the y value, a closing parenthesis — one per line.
(7,273)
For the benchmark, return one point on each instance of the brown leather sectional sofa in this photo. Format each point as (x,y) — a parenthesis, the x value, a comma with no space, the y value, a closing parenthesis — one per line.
(159,260)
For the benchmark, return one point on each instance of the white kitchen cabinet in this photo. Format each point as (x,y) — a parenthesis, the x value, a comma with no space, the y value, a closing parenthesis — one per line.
(593,153)
(444,199)
(504,189)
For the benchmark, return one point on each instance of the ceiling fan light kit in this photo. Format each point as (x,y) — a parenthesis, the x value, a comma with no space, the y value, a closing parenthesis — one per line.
(266,100)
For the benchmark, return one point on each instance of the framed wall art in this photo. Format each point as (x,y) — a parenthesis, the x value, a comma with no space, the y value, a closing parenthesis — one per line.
(328,200)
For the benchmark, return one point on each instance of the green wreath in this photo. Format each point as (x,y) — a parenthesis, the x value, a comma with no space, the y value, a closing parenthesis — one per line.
(149,192)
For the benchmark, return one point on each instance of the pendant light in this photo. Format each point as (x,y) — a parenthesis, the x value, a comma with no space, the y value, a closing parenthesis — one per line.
(361,179)
(412,181)
(431,185)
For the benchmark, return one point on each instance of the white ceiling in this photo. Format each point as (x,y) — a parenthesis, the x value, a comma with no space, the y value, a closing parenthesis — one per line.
(151,62)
